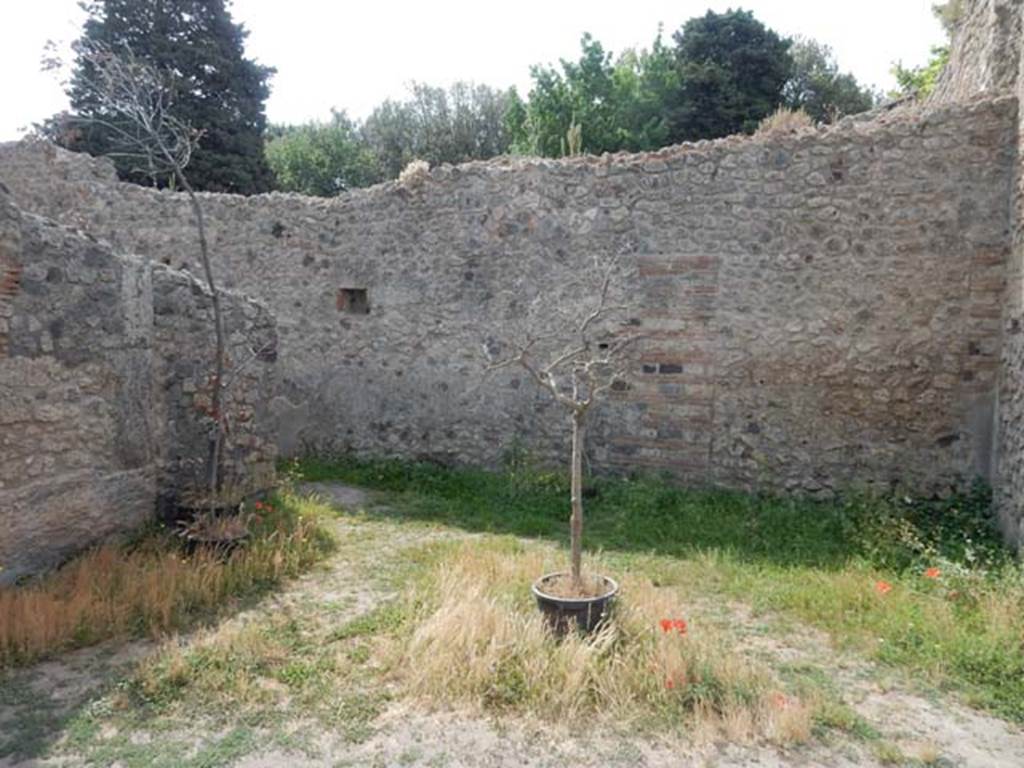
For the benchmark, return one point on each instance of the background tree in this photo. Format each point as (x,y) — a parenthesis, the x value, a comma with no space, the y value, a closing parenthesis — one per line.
(620,105)
(515,119)
(655,99)
(321,159)
(212,82)
(732,70)
(920,81)
(818,87)
(437,125)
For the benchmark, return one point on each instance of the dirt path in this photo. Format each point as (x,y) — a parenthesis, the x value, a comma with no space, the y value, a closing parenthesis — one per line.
(40,707)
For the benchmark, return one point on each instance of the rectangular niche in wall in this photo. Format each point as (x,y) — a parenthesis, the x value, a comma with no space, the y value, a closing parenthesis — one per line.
(354,301)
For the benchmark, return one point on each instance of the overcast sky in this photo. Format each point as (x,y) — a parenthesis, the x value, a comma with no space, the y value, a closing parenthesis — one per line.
(353,55)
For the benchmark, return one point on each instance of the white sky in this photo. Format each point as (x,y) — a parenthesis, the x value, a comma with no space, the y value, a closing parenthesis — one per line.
(330,53)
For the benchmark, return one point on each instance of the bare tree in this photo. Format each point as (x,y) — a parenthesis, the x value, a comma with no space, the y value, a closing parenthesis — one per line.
(575,344)
(134,101)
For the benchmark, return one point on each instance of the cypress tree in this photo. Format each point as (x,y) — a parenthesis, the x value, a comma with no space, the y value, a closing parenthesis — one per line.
(216,89)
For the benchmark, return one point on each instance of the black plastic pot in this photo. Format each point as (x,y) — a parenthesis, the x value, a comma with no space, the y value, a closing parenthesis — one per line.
(587,613)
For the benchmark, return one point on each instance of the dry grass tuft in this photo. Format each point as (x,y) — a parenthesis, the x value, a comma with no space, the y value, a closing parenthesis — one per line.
(477,639)
(151,588)
(414,174)
(784,121)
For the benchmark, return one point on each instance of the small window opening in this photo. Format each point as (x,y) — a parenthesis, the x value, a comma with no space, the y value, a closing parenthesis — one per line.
(353,301)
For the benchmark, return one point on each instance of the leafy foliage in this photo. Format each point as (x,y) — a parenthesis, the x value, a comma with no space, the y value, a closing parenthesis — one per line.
(720,74)
(733,70)
(464,122)
(321,158)
(620,105)
(216,89)
(818,87)
(920,81)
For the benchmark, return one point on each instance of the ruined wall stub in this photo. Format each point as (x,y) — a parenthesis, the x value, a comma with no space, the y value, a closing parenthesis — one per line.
(102,358)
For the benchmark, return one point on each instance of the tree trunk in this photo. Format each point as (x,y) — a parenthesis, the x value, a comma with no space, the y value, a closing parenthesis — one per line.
(217,439)
(576,521)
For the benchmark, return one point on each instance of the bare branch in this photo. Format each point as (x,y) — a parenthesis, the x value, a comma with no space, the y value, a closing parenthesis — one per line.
(603,298)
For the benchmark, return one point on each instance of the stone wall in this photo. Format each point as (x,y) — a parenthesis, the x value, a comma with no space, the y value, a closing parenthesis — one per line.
(986,51)
(986,56)
(823,310)
(1010,477)
(93,423)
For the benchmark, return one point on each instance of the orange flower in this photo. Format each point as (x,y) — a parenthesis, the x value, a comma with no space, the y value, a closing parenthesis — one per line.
(883,587)
(680,626)
(932,573)
(666,625)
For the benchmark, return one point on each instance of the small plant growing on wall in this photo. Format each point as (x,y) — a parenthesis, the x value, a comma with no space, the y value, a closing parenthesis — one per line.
(577,344)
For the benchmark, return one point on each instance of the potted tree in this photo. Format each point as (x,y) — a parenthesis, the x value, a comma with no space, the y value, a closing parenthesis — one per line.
(574,346)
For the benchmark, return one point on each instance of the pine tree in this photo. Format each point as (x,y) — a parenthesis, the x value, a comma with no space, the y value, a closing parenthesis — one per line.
(216,89)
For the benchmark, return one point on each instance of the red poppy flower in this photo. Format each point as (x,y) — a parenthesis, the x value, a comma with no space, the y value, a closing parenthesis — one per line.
(883,587)
(666,625)
(680,626)
(259,505)
(669,683)
(932,573)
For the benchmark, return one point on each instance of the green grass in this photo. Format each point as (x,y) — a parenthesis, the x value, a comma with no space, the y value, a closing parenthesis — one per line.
(649,514)
(816,561)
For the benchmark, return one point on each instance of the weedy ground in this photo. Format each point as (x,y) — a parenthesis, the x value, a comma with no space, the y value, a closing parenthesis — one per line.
(750,629)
